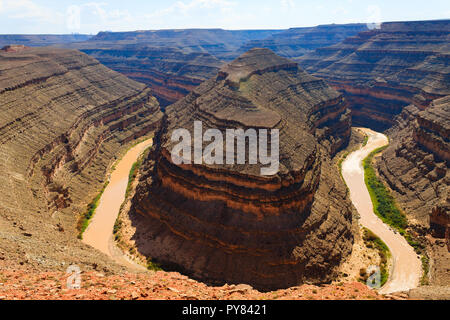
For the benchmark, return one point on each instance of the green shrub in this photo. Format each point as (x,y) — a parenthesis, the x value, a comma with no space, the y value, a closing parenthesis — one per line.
(383,202)
(84,220)
(366,139)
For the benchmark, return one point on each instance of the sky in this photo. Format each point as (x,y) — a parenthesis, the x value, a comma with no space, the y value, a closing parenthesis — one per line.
(91,16)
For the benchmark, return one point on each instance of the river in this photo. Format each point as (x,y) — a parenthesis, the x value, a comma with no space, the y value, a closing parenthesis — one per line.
(406,268)
(99,233)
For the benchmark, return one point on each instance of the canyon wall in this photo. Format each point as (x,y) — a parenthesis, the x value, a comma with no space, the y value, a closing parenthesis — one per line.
(217,42)
(64,120)
(383,70)
(40,40)
(228,223)
(296,42)
(169,72)
(397,78)
(416,165)
(173,62)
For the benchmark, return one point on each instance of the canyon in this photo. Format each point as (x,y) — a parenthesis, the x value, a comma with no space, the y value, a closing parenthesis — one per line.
(64,120)
(67,117)
(296,42)
(227,223)
(169,72)
(396,78)
(383,70)
(173,62)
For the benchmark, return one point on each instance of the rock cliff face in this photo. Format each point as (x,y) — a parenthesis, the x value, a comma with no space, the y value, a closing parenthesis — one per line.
(173,62)
(227,223)
(169,72)
(416,164)
(399,69)
(416,167)
(383,70)
(217,42)
(39,40)
(296,42)
(170,62)
(64,118)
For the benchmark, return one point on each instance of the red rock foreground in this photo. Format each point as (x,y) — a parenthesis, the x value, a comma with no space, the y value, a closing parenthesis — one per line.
(159,285)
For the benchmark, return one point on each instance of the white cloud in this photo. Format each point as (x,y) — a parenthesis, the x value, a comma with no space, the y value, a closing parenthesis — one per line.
(185,7)
(27,9)
(287,4)
(95,15)
(340,11)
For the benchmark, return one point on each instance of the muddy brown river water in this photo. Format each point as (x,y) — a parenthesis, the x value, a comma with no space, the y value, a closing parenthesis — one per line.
(406,268)
(100,230)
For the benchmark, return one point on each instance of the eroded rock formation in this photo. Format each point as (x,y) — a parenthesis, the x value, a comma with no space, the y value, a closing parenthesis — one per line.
(227,223)
(174,62)
(64,118)
(383,70)
(170,62)
(169,72)
(397,77)
(416,164)
(40,40)
(296,42)
(217,42)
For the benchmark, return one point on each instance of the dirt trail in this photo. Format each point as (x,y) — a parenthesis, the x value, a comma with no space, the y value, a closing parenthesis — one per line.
(406,266)
(99,233)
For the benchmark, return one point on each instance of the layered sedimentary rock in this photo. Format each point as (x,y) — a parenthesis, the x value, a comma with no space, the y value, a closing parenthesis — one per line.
(64,118)
(217,42)
(440,221)
(173,62)
(39,40)
(397,77)
(416,164)
(169,72)
(416,167)
(170,62)
(383,70)
(296,42)
(228,223)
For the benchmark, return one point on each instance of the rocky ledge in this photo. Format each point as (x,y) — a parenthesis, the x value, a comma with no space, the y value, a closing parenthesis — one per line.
(227,223)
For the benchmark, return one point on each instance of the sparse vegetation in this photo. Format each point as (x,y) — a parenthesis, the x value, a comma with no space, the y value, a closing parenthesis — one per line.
(344,156)
(84,220)
(384,204)
(426,269)
(152,265)
(366,139)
